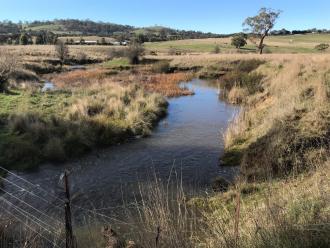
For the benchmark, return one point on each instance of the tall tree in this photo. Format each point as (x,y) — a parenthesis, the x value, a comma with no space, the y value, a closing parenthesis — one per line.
(261,24)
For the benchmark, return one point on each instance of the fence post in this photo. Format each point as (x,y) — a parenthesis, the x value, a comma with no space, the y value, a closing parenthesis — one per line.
(237,213)
(158,236)
(67,207)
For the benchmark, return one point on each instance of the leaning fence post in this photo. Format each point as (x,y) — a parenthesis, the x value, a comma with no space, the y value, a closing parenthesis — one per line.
(67,207)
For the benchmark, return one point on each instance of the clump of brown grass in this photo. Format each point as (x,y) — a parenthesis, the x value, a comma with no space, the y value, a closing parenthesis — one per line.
(78,78)
(168,84)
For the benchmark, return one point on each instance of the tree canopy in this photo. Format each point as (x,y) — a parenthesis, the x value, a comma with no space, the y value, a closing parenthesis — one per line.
(262,23)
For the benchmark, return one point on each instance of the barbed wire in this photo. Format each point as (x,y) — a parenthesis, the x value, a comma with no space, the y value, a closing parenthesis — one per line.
(31,217)
(31,228)
(30,206)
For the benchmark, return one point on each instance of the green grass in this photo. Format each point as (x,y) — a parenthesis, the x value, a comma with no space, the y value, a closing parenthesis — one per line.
(197,47)
(54,126)
(309,38)
(117,63)
(275,44)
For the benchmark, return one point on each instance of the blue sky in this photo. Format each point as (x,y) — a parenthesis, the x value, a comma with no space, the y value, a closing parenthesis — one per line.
(206,15)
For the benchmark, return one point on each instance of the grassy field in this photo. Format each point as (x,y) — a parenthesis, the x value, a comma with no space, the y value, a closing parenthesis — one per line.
(275,44)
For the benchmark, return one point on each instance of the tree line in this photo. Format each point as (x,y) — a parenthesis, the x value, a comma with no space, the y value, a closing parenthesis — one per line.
(10,32)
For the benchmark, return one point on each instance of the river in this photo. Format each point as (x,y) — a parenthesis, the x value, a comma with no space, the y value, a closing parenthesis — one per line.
(188,140)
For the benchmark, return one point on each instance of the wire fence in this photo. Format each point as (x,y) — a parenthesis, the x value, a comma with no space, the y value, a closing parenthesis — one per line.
(40,212)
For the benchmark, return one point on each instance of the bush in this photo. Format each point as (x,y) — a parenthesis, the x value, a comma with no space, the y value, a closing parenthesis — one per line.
(161,67)
(322,47)
(62,51)
(81,58)
(238,41)
(8,64)
(216,49)
(134,52)
(249,65)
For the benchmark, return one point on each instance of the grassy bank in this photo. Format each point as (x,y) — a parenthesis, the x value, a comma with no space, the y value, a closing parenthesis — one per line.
(57,125)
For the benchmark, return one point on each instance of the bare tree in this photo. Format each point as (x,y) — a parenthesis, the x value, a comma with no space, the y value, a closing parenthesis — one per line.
(8,64)
(261,24)
(134,52)
(62,51)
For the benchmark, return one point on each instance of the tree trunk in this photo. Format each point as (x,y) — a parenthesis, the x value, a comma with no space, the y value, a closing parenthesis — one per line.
(261,44)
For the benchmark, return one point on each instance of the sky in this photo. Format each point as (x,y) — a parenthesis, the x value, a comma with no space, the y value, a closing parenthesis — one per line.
(218,16)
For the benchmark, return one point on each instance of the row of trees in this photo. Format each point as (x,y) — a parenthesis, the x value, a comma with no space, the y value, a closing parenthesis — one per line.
(39,38)
(71,27)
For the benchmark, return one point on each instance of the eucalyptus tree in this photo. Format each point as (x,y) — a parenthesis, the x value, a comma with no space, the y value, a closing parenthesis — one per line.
(262,24)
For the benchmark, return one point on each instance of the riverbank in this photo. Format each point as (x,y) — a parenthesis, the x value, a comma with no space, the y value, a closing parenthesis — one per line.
(281,142)
(65,123)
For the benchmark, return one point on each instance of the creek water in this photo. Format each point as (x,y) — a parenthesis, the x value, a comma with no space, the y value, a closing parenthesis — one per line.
(188,141)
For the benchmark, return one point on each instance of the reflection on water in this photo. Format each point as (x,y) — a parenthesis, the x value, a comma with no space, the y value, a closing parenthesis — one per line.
(48,86)
(188,139)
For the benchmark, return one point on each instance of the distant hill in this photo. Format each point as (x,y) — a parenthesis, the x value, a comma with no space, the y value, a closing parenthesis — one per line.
(73,27)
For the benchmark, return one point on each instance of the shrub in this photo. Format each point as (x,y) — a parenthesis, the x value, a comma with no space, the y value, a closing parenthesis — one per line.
(82,57)
(322,47)
(8,64)
(242,76)
(134,52)
(24,39)
(238,41)
(161,67)
(62,51)
(216,49)
(249,65)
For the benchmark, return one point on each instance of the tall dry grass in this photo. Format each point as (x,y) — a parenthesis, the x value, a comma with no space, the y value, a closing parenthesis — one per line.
(285,127)
(168,84)
(284,213)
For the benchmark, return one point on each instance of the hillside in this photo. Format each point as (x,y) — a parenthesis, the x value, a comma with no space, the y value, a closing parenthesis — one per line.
(88,27)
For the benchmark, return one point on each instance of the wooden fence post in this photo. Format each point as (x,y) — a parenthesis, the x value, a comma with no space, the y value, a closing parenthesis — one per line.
(67,207)
(237,213)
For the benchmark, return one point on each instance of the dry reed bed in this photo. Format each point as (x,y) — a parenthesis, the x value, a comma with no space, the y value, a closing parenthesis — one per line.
(165,84)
